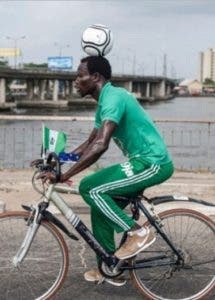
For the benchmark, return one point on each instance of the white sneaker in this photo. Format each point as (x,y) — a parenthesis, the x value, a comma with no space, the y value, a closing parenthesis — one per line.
(96,276)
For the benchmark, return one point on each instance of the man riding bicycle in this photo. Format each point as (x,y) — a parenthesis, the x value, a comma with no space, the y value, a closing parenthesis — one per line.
(120,117)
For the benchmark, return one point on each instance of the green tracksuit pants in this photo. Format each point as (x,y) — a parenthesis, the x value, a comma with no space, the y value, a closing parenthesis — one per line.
(128,178)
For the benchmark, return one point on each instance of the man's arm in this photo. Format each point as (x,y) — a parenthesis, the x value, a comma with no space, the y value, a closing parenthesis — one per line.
(80,149)
(91,151)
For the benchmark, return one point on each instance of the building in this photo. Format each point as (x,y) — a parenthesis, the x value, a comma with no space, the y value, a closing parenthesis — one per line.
(190,87)
(207,65)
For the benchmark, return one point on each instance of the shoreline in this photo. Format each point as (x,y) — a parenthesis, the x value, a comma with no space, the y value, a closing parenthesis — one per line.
(80,103)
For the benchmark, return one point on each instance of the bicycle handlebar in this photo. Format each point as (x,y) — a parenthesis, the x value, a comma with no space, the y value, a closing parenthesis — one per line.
(52,164)
(53,156)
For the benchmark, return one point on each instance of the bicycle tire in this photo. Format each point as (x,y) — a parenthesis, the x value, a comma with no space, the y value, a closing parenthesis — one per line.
(37,277)
(194,234)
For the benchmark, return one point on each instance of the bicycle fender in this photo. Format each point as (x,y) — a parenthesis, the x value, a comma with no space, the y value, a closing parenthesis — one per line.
(171,198)
(47,215)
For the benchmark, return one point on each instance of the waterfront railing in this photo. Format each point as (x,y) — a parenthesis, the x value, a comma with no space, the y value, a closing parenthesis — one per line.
(191,143)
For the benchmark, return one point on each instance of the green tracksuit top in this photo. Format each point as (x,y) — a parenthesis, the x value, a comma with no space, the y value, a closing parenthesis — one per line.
(136,134)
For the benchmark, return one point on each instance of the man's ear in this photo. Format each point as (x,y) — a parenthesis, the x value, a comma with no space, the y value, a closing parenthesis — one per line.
(96,77)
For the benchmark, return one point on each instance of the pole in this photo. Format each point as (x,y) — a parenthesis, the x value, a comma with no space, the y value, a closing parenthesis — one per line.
(15,47)
(134,64)
(61,47)
(15,55)
(43,152)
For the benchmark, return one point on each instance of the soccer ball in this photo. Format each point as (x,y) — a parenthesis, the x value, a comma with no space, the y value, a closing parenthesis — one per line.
(97,40)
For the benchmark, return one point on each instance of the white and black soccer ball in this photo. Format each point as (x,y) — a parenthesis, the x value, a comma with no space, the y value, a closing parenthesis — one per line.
(97,40)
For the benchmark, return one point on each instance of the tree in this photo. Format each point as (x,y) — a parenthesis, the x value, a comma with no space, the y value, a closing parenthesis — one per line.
(209,81)
(3,63)
(35,66)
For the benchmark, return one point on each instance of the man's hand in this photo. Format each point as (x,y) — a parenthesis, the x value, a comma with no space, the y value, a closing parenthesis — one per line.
(36,162)
(47,176)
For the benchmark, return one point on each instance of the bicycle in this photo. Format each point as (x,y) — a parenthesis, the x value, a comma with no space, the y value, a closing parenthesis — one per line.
(179,265)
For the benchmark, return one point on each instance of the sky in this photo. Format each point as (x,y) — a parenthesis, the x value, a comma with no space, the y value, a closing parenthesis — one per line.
(144,32)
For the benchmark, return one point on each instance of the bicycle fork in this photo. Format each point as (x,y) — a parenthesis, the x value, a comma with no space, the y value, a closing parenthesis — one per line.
(31,232)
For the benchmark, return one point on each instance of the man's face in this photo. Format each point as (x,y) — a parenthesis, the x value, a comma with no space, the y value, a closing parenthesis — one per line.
(84,82)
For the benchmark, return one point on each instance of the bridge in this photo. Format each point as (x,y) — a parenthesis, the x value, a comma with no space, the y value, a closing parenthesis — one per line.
(55,85)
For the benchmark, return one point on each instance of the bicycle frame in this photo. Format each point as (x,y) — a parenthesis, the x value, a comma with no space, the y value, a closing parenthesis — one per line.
(52,195)
(153,222)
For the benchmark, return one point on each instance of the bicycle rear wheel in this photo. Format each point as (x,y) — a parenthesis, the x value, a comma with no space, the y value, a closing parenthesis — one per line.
(194,234)
(43,270)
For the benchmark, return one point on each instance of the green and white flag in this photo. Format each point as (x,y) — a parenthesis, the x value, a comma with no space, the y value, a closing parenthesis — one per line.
(54,141)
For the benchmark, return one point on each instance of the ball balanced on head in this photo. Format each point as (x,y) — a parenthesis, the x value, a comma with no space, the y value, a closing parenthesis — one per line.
(97,40)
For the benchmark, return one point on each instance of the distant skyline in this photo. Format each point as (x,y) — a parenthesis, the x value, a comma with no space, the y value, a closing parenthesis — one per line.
(144,31)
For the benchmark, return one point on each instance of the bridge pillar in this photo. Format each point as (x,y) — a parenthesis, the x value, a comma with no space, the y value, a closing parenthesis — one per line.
(139,90)
(30,89)
(68,91)
(73,89)
(168,90)
(161,89)
(63,89)
(128,86)
(147,89)
(55,90)
(2,90)
(42,89)
(49,86)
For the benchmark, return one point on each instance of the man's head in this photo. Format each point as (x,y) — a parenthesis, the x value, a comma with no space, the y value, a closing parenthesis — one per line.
(93,72)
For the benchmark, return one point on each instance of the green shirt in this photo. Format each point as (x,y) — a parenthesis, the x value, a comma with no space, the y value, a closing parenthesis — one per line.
(136,134)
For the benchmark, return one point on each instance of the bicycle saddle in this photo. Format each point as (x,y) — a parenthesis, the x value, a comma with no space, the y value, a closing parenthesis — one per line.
(130,198)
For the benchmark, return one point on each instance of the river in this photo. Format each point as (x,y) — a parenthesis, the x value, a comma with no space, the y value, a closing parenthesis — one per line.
(185,108)
(187,125)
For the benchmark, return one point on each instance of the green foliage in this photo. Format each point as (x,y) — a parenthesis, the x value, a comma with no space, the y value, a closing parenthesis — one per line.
(3,63)
(209,81)
(35,66)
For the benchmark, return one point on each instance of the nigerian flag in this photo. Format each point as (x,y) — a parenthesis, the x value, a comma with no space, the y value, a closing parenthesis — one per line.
(54,141)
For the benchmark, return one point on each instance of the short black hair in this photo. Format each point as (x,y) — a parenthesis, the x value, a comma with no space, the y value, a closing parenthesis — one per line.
(98,64)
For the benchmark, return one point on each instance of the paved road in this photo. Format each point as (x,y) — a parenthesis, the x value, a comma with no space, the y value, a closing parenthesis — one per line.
(75,285)
(81,257)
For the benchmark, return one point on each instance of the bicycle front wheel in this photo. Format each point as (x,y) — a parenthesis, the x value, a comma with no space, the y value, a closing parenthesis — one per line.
(193,234)
(43,270)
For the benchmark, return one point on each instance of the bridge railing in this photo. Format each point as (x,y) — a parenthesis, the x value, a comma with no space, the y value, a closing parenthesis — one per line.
(191,143)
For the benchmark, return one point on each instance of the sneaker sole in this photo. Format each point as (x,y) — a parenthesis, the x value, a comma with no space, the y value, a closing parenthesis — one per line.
(139,250)
(106,280)
(115,283)
(94,280)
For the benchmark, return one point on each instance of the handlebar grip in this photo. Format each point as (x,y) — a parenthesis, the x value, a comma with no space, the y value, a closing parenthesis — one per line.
(54,156)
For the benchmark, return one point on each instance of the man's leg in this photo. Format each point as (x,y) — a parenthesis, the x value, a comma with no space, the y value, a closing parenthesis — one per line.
(115,217)
(122,179)
(104,233)
(103,229)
